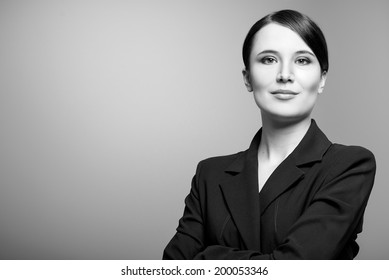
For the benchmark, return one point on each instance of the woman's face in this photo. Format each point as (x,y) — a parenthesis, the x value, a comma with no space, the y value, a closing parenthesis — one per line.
(284,75)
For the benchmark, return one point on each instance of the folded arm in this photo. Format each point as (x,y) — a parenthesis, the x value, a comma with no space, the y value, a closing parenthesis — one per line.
(321,232)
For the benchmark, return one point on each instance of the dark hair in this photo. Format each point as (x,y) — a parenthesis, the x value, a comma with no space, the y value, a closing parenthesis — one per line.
(306,28)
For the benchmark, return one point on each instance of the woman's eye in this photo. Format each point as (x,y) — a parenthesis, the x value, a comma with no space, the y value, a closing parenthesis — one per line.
(303,61)
(268,60)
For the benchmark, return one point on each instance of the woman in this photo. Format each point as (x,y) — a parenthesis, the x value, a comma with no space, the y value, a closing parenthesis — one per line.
(293,194)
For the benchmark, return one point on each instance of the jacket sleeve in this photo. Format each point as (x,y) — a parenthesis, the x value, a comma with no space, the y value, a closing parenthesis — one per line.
(330,220)
(189,238)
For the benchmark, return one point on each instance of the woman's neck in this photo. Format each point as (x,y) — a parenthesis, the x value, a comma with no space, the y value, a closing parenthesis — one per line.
(279,139)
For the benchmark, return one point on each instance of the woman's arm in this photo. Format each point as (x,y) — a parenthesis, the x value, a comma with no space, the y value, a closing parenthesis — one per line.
(189,239)
(321,232)
(334,214)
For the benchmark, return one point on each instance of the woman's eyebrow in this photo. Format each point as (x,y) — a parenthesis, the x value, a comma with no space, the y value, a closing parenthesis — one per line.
(268,51)
(276,52)
(305,52)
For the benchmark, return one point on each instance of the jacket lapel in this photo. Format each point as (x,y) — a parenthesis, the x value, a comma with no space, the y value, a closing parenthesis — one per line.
(282,178)
(241,194)
(240,189)
(310,149)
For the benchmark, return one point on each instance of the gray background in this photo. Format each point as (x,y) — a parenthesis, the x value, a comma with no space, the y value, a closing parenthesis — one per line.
(106,107)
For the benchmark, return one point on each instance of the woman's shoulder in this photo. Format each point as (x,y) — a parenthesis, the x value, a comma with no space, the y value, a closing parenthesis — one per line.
(350,155)
(219,163)
(341,150)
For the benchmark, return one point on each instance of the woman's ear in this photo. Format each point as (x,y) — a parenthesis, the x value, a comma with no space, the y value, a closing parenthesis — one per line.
(247,80)
(322,82)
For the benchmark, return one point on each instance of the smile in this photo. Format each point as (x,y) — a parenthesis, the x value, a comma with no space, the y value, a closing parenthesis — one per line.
(284,94)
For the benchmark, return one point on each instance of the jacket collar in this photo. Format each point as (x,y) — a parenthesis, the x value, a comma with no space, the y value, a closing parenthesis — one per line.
(310,149)
(241,186)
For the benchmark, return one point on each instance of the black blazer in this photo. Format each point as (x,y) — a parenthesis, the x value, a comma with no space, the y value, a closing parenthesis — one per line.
(311,207)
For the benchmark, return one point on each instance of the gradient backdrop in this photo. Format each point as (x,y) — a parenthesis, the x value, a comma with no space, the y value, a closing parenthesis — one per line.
(106,107)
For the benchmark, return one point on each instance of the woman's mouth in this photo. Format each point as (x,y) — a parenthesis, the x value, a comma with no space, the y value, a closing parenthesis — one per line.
(283,94)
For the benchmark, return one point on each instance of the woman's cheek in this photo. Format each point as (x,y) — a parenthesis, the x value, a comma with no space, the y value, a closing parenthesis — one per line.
(262,80)
(310,81)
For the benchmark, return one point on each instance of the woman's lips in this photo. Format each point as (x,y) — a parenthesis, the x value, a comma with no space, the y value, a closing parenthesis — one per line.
(284,94)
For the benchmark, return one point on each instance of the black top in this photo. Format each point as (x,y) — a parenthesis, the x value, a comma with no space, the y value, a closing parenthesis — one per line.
(311,207)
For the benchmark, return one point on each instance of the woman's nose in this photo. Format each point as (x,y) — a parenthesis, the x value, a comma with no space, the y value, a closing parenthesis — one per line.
(285,75)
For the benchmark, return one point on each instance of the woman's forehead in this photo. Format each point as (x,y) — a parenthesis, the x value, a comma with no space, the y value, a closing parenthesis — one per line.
(277,37)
